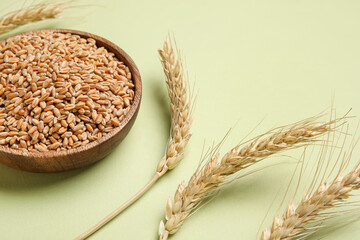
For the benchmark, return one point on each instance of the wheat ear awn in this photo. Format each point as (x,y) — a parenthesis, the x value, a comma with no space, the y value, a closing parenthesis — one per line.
(217,170)
(181,119)
(294,224)
(30,14)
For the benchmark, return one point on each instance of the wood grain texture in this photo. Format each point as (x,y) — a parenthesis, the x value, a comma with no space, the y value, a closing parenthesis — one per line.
(92,152)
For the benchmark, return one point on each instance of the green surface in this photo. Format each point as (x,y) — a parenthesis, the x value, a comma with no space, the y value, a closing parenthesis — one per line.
(276,61)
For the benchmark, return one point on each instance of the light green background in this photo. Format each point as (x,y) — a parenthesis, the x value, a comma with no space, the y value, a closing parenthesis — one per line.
(276,61)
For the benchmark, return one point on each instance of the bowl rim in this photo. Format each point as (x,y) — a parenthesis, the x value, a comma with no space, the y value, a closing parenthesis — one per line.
(122,56)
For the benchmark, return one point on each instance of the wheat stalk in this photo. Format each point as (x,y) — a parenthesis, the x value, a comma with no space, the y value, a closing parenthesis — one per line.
(297,219)
(217,170)
(30,14)
(181,119)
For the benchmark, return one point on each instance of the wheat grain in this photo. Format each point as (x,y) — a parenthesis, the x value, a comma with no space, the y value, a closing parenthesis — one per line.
(52,101)
(30,14)
(217,170)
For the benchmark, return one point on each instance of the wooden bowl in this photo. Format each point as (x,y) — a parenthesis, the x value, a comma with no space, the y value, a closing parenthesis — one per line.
(53,161)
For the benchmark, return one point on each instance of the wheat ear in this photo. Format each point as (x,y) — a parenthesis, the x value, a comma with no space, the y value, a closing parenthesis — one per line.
(217,170)
(297,220)
(181,119)
(30,14)
(180,104)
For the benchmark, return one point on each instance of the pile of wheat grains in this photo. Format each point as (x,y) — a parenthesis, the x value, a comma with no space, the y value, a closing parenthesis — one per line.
(59,91)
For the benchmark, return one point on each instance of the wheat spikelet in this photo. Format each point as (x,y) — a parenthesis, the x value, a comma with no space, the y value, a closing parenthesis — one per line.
(299,219)
(217,170)
(180,103)
(30,14)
